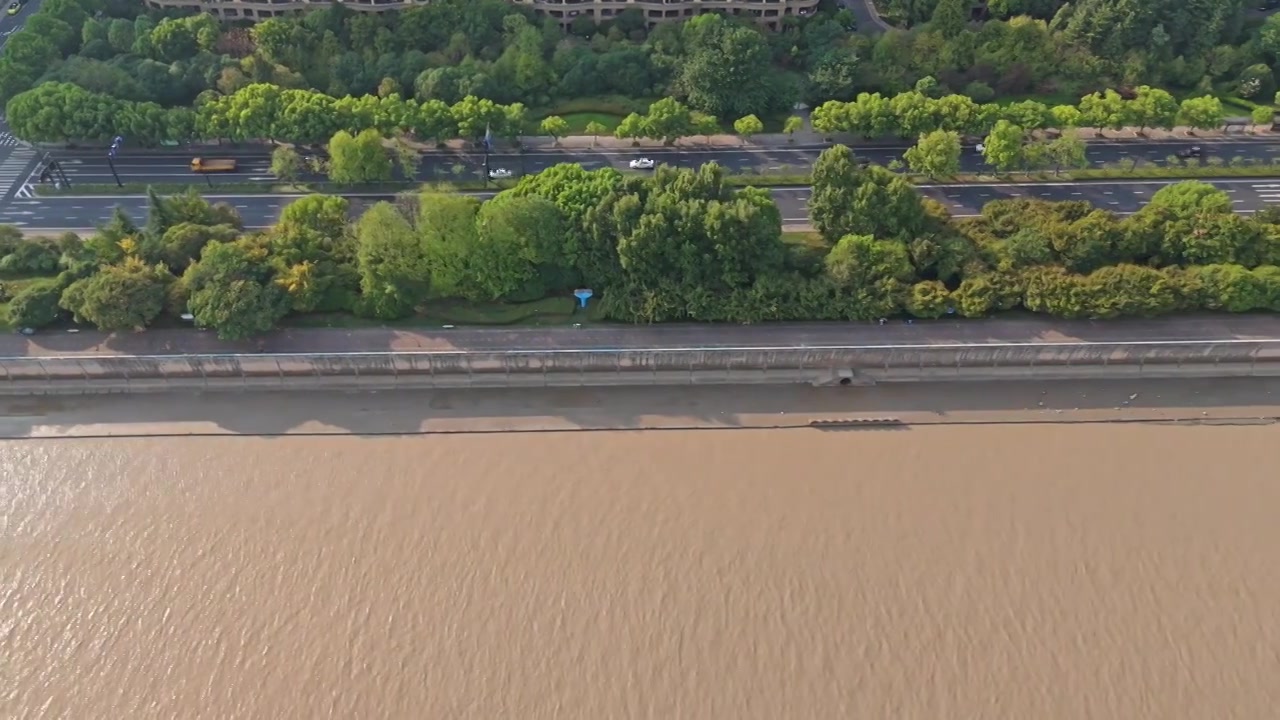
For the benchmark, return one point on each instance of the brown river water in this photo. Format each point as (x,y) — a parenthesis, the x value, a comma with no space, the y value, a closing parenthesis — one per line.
(1036,568)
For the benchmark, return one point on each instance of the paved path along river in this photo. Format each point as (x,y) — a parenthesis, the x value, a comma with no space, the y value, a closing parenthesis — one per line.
(599,337)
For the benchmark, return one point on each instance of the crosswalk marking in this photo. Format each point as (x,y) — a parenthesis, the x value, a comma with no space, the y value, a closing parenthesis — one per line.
(14,174)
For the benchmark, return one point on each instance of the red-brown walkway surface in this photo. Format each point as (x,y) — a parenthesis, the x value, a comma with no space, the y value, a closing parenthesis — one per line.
(596,337)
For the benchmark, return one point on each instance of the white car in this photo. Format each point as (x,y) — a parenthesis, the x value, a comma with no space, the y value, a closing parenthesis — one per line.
(980,148)
(641,164)
(499,174)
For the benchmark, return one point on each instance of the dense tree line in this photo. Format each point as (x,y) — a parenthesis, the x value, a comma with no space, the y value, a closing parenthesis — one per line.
(1073,48)
(132,64)
(443,52)
(62,111)
(917,112)
(675,246)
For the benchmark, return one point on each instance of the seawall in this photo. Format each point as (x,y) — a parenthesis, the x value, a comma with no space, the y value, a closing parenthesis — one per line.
(844,365)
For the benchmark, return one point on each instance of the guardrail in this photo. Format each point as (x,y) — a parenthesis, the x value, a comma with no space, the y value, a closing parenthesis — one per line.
(688,365)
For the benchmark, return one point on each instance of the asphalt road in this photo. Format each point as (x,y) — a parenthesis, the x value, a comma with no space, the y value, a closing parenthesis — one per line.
(941,332)
(173,166)
(1120,196)
(10,24)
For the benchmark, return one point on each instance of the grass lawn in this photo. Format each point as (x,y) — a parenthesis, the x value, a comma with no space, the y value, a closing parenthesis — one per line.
(1236,106)
(810,240)
(807,249)
(1049,99)
(578,121)
(557,311)
(612,105)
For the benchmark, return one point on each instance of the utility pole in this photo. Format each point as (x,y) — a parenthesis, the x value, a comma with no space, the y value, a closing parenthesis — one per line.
(111,154)
(488,145)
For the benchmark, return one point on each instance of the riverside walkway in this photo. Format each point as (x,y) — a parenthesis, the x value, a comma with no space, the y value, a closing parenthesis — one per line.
(1197,328)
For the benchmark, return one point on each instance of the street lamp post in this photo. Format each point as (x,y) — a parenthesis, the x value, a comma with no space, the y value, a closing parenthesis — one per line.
(488,146)
(111,154)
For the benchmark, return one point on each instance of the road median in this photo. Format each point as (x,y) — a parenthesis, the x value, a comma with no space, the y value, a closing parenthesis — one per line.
(762,180)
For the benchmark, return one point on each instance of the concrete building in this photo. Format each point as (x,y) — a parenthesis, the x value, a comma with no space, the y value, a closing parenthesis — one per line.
(768,12)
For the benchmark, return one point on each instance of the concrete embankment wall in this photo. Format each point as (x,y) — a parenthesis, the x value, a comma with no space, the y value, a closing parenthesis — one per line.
(677,366)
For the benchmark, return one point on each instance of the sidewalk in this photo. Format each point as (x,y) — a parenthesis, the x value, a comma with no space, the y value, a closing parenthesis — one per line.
(1016,330)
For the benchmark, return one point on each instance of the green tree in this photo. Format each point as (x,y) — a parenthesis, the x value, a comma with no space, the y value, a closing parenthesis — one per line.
(704,125)
(1256,81)
(957,113)
(695,235)
(394,277)
(1028,114)
(286,164)
(1066,116)
(873,272)
(120,36)
(555,126)
(519,249)
(358,159)
(254,111)
(36,305)
(1262,115)
(1269,36)
(633,126)
(595,130)
(748,126)
(950,17)
(120,297)
(407,157)
(1188,198)
(474,116)
(1229,287)
(182,243)
(158,216)
(915,113)
(793,125)
(975,297)
(515,118)
(588,199)
(928,299)
(936,154)
(1089,242)
(312,252)
(1003,147)
(232,291)
(1105,110)
(727,72)
(1153,107)
(850,200)
(668,120)
(434,120)
(1202,113)
(1067,151)
(447,223)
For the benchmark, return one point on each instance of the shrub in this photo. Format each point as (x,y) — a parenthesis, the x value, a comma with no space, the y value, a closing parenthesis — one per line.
(979,91)
(36,306)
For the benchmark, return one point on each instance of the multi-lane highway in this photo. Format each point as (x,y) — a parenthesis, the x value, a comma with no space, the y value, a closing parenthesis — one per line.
(1120,196)
(173,166)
